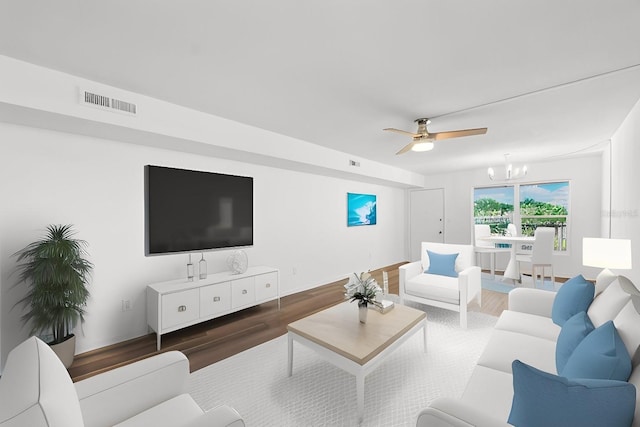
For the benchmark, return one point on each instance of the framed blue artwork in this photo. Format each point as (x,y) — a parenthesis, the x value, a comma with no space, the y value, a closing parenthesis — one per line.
(361,209)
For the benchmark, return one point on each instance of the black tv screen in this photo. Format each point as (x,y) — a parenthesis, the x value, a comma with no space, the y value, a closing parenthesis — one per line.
(188,211)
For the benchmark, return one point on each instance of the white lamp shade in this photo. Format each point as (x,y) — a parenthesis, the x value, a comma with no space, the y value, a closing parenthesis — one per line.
(606,253)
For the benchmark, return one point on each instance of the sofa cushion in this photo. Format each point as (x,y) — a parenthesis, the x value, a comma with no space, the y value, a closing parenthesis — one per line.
(442,264)
(600,355)
(179,411)
(528,324)
(431,286)
(497,402)
(628,326)
(504,347)
(543,399)
(573,332)
(604,279)
(608,304)
(635,380)
(574,296)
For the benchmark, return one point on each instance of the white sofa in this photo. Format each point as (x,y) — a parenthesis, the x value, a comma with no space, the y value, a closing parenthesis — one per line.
(526,332)
(451,293)
(36,390)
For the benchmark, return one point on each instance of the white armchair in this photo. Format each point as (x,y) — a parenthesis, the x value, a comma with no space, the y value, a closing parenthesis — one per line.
(451,293)
(36,390)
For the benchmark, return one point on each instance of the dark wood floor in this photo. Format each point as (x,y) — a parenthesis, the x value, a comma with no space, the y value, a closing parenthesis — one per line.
(217,339)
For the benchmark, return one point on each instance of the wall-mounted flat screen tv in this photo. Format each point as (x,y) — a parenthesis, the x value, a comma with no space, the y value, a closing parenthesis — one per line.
(361,209)
(190,211)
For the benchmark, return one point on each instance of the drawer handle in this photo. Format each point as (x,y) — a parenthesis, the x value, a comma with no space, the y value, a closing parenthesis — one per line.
(244,292)
(268,285)
(216,299)
(182,308)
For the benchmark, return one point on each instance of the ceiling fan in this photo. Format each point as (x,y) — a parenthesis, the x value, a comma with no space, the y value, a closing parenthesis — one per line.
(423,140)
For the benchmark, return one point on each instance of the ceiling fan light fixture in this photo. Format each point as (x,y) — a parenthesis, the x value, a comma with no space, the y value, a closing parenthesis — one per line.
(422,146)
(423,140)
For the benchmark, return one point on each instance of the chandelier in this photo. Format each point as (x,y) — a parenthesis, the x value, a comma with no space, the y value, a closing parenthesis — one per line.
(510,172)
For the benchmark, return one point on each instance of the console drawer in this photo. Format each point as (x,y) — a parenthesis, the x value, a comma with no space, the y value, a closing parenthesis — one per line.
(266,286)
(215,299)
(179,307)
(243,292)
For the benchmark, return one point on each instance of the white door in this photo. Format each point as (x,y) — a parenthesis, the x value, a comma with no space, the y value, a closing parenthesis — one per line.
(426,221)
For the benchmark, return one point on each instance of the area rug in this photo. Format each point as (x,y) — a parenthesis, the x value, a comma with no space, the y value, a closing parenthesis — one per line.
(498,285)
(255,381)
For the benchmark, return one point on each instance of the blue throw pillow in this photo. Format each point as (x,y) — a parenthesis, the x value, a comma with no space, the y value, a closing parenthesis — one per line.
(574,296)
(543,399)
(573,332)
(600,355)
(442,264)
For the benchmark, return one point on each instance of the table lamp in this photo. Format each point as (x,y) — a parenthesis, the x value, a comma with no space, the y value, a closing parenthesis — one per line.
(607,254)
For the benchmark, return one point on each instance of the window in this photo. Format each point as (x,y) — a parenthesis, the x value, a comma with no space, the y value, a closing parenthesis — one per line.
(539,205)
(545,205)
(494,206)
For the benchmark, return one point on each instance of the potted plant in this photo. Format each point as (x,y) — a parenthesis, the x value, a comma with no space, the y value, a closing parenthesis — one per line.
(364,289)
(56,273)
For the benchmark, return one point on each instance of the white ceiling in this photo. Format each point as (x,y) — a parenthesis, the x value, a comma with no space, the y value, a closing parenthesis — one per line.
(548,78)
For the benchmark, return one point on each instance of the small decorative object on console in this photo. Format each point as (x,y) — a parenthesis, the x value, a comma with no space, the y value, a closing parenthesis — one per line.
(238,262)
(190,269)
(202,268)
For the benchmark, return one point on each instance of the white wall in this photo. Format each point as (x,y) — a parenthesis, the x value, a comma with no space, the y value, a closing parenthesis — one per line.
(50,177)
(584,175)
(625,193)
(40,97)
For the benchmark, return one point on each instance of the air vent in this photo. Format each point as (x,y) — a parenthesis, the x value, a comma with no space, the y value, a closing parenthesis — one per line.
(104,102)
(354,163)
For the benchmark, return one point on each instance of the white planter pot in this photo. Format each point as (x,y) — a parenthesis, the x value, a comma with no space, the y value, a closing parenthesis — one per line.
(65,350)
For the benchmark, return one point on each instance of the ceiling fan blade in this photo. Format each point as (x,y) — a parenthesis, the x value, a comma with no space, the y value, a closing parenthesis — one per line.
(457,133)
(404,132)
(406,148)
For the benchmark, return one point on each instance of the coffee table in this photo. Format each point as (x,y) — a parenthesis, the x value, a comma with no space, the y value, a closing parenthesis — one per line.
(337,336)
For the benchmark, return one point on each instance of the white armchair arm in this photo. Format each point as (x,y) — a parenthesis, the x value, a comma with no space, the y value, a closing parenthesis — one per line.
(111,397)
(532,301)
(406,272)
(470,279)
(447,412)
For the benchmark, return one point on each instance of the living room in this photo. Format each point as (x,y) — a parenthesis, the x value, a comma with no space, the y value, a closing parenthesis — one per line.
(61,162)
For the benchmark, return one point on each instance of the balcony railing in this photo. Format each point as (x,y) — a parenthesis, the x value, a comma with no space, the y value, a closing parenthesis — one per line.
(498,225)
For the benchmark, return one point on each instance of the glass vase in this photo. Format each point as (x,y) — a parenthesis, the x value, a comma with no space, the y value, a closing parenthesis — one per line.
(362,311)
(202,268)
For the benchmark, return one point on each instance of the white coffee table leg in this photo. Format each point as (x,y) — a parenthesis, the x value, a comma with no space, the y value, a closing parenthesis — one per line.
(360,392)
(424,330)
(290,358)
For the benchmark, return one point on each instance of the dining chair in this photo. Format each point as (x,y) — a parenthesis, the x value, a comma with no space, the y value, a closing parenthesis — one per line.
(484,246)
(541,256)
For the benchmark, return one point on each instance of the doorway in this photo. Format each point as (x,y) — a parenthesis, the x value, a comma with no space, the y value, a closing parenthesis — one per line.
(426,219)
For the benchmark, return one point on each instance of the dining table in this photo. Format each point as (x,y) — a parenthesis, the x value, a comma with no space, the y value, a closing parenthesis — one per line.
(512,272)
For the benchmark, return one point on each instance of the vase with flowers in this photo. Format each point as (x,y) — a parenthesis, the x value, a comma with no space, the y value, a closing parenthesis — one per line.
(364,289)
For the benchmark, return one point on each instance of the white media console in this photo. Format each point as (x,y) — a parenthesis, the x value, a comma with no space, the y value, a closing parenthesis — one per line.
(180,303)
